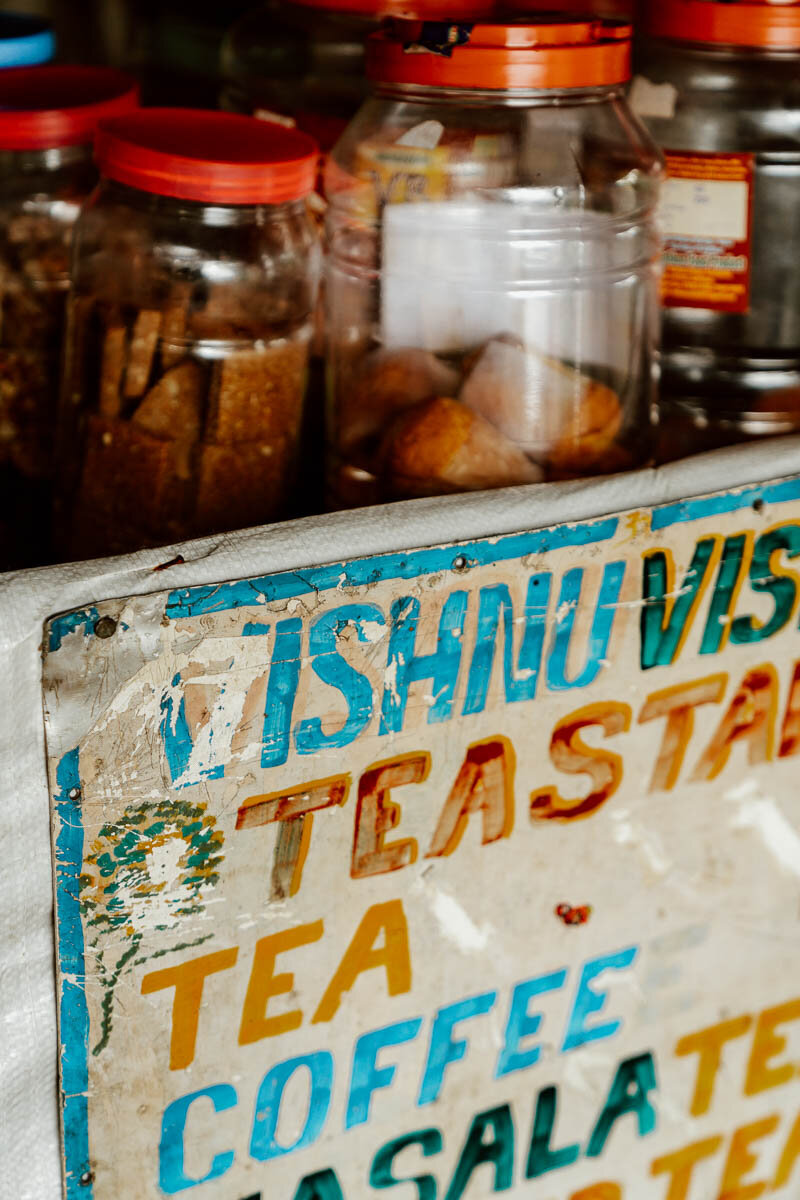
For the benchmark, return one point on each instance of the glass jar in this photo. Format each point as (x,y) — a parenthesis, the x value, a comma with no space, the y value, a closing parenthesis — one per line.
(25,41)
(190,317)
(304,62)
(47,121)
(719,88)
(492,271)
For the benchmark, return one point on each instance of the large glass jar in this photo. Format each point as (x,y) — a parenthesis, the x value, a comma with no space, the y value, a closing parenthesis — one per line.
(492,274)
(25,41)
(47,121)
(719,88)
(194,285)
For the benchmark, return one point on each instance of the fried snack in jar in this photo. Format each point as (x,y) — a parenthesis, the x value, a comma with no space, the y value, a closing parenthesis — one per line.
(492,288)
(190,323)
(47,121)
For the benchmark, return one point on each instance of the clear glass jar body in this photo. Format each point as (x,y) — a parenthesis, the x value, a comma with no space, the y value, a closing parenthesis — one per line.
(492,291)
(292,60)
(185,368)
(733,375)
(40,197)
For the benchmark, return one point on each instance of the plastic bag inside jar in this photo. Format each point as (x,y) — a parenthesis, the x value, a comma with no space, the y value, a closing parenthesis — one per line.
(506,352)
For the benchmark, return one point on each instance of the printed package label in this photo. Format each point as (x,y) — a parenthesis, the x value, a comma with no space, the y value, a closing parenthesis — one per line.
(706,218)
(466,871)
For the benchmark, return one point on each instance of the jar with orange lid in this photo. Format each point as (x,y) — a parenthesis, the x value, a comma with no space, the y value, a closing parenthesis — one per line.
(492,281)
(48,116)
(190,319)
(719,87)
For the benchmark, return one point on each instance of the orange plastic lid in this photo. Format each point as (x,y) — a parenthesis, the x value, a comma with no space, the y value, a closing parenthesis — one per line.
(421,10)
(553,51)
(771,26)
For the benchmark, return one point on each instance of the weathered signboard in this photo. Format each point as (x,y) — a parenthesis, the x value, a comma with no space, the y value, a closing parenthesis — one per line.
(463,871)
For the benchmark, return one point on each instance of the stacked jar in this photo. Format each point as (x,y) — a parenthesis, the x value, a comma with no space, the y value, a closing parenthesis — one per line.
(719,88)
(492,293)
(303,60)
(194,286)
(25,41)
(48,117)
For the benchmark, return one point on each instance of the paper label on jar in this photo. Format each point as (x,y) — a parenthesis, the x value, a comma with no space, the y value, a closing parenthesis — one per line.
(706,218)
(406,171)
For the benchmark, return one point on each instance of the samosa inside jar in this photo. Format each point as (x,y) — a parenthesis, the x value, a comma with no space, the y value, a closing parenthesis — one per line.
(189,333)
(492,289)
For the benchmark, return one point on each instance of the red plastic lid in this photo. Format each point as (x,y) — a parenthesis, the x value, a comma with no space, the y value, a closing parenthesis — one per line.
(212,157)
(543,52)
(422,10)
(771,26)
(46,107)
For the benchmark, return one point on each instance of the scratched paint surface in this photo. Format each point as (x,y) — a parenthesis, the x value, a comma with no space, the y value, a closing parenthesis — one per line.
(467,871)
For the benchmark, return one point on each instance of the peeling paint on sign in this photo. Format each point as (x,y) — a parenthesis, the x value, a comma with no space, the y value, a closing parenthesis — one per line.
(465,870)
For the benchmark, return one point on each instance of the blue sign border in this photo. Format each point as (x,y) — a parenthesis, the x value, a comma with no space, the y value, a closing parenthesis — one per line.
(199,600)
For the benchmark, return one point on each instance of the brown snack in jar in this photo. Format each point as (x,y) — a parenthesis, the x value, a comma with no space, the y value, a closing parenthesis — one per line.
(561,417)
(175,333)
(26,412)
(587,441)
(383,384)
(442,446)
(257,395)
(173,406)
(112,368)
(242,485)
(144,341)
(132,492)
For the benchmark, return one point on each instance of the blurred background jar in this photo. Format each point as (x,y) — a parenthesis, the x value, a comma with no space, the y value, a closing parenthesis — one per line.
(492,291)
(305,59)
(719,87)
(301,61)
(48,117)
(25,41)
(195,277)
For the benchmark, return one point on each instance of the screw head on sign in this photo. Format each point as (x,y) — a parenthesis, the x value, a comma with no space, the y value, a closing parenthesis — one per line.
(106,627)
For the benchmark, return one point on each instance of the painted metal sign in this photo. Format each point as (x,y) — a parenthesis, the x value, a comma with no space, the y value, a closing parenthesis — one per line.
(466,871)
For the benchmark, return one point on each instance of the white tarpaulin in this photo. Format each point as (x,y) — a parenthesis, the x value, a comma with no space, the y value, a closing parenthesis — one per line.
(661,910)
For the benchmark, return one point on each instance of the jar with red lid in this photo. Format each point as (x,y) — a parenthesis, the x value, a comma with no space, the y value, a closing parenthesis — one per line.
(492,271)
(194,285)
(48,117)
(719,87)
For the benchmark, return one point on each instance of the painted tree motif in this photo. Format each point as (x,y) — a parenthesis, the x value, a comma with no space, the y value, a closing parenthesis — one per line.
(149,871)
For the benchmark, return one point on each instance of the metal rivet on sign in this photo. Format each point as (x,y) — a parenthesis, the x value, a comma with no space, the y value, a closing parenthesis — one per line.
(75,793)
(86,1178)
(106,627)
(460,563)
(758,505)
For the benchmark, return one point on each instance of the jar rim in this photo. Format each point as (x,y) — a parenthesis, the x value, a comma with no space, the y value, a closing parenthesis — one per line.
(557,51)
(210,157)
(773,26)
(48,107)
